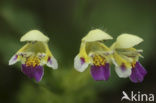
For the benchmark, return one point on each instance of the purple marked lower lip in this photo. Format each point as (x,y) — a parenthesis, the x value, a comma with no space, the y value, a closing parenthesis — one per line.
(100,72)
(138,73)
(33,72)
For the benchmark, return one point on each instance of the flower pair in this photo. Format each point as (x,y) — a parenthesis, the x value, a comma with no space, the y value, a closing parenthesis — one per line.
(122,54)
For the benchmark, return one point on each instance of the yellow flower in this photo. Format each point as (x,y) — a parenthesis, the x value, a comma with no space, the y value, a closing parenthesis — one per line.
(94,52)
(34,54)
(125,57)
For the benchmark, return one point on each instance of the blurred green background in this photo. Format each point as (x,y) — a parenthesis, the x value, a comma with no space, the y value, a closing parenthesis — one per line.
(66,22)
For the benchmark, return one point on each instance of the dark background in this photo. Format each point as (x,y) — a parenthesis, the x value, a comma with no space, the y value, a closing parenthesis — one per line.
(65,22)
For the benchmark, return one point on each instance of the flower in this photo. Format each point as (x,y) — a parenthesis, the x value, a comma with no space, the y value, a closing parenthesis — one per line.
(94,52)
(34,54)
(126,58)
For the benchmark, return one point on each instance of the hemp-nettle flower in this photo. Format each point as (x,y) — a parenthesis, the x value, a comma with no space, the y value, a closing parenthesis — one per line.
(94,52)
(125,58)
(34,54)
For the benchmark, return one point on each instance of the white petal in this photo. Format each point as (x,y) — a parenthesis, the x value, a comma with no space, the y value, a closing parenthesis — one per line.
(96,35)
(123,74)
(127,41)
(78,65)
(13,59)
(52,63)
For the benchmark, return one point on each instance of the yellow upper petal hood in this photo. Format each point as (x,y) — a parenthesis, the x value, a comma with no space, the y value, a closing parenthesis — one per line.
(127,41)
(96,35)
(34,35)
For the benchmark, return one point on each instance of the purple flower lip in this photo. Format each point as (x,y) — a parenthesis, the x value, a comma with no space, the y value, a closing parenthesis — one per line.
(33,72)
(100,72)
(138,73)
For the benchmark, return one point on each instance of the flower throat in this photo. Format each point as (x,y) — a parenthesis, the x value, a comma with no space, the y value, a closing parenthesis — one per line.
(32,61)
